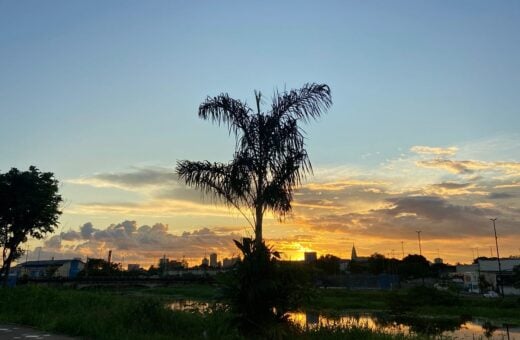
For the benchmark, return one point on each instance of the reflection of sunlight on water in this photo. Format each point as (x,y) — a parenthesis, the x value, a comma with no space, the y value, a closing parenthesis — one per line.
(190,306)
(469,330)
(311,320)
(476,328)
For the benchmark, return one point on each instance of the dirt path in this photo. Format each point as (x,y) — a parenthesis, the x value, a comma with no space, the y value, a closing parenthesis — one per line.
(22,332)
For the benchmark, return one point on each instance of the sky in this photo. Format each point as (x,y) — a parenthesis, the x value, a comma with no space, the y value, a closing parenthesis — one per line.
(422,135)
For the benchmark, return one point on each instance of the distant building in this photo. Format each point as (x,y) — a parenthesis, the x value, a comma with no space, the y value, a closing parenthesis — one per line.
(163,262)
(488,270)
(354,256)
(310,257)
(175,265)
(167,266)
(213,263)
(205,262)
(506,264)
(133,267)
(49,269)
(228,263)
(437,260)
(343,265)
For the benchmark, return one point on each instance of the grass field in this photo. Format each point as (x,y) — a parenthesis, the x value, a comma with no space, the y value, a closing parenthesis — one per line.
(138,313)
(421,302)
(141,314)
(333,301)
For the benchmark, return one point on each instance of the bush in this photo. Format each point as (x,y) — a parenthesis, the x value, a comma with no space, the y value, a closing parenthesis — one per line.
(101,315)
(260,290)
(420,296)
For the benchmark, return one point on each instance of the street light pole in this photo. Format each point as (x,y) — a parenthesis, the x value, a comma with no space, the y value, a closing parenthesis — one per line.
(498,257)
(419,238)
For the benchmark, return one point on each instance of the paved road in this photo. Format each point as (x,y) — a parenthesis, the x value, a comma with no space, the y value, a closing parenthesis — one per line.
(19,332)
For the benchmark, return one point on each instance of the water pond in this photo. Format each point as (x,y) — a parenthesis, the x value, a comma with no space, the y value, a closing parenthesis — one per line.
(438,327)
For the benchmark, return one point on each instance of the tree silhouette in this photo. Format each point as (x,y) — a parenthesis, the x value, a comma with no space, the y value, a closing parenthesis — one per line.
(270,159)
(29,207)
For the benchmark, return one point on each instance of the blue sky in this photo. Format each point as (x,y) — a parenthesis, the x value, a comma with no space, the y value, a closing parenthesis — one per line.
(97,87)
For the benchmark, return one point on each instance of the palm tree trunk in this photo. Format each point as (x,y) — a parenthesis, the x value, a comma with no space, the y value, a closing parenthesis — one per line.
(259,207)
(258,226)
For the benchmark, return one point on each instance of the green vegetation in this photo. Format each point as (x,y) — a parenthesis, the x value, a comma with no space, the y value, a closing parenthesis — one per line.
(138,313)
(342,299)
(417,301)
(198,292)
(29,207)
(106,315)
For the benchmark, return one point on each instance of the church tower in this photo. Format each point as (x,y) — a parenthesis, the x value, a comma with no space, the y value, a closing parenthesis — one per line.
(353,256)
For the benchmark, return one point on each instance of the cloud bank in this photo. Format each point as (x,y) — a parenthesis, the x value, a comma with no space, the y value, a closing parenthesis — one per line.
(441,191)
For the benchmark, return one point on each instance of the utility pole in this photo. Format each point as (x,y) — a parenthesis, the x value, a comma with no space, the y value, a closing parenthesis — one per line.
(498,256)
(419,238)
(402,248)
(164,265)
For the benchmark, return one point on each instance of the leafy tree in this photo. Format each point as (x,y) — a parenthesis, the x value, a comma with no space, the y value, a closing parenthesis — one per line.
(358,267)
(441,269)
(100,267)
(414,266)
(270,157)
(29,207)
(329,264)
(153,270)
(377,263)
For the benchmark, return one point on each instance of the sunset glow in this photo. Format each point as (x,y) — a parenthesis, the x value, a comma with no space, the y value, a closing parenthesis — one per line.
(422,134)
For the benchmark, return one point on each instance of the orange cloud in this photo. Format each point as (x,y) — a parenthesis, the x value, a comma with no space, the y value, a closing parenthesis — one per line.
(437,151)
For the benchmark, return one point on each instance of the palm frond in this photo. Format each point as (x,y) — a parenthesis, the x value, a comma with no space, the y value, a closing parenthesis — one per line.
(225,110)
(226,183)
(305,103)
(270,159)
(211,178)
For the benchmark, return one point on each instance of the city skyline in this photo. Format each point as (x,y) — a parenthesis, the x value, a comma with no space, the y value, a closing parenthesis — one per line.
(422,134)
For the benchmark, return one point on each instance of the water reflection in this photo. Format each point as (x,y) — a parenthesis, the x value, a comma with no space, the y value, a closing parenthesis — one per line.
(193,306)
(456,328)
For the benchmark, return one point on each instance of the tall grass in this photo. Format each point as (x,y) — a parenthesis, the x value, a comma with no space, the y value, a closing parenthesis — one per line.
(107,315)
(100,315)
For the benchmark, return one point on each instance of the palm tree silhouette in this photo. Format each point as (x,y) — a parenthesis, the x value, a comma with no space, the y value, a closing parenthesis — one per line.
(270,159)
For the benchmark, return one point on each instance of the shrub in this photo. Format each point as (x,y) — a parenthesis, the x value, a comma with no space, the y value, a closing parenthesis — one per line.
(260,290)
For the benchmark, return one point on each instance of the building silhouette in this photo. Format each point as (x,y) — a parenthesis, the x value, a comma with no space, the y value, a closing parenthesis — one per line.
(228,263)
(354,256)
(49,268)
(310,257)
(213,263)
(133,267)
